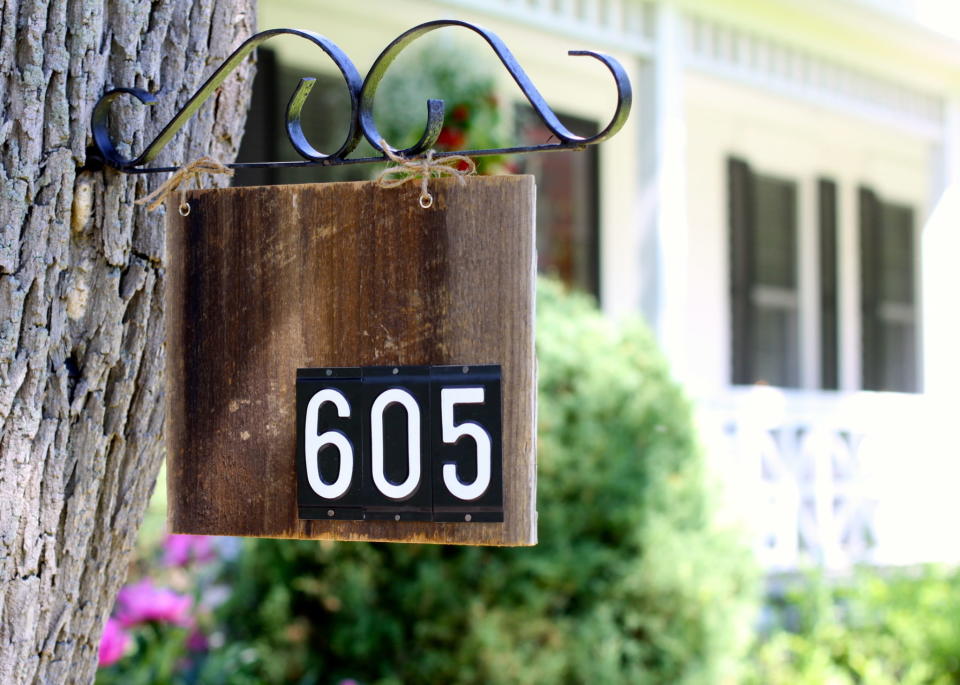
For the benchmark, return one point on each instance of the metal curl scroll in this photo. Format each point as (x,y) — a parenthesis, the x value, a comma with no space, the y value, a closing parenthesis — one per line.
(362,94)
(110,155)
(435,113)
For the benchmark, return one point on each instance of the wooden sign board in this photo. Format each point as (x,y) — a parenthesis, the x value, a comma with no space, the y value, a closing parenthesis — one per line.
(360,281)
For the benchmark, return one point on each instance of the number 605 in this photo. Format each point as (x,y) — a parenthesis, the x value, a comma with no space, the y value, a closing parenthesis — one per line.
(401,443)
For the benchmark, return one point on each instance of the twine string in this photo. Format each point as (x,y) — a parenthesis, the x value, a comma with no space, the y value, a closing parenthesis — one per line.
(404,171)
(422,169)
(193,170)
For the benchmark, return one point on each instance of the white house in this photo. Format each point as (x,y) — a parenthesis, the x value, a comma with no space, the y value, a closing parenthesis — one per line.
(783,208)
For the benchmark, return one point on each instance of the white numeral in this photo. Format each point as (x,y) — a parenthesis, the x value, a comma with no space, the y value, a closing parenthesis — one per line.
(451,433)
(313,443)
(410,485)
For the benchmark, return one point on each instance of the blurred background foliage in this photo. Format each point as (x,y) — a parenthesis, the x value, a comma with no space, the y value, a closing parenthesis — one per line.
(632,581)
(883,627)
(456,72)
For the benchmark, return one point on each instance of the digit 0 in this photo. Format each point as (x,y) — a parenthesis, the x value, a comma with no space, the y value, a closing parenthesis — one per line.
(410,485)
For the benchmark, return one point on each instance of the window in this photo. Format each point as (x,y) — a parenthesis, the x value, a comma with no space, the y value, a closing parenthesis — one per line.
(887,295)
(764,283)
(567,216)
(766,289)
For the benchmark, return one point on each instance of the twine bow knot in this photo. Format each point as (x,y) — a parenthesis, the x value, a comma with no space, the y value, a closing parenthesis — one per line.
(193,170)
(423,169)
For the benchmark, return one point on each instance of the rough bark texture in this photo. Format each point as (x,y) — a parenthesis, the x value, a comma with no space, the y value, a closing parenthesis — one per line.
(81,320)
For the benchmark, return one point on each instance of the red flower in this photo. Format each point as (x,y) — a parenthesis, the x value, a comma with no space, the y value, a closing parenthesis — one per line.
(451,138)
(460,113)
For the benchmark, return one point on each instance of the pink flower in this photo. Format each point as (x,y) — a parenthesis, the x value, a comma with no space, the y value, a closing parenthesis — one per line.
(142,602)
(180,550)
(113,643)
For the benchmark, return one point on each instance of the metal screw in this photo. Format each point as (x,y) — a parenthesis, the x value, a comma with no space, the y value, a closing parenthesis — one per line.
(329,372)
(468,517)
(395,370)
(396,517)
(329,512)
(466,368)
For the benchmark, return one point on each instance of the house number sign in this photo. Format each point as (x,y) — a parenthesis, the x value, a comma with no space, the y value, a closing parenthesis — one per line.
(401,443)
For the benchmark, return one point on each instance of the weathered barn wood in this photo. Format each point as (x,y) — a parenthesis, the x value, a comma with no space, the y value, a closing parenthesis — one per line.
(266,280)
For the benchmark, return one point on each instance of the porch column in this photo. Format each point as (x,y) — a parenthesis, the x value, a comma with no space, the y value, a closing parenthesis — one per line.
(662,190)
(940,276)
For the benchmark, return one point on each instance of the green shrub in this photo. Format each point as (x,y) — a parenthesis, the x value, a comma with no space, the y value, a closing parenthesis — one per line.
(631,582)
(878,627)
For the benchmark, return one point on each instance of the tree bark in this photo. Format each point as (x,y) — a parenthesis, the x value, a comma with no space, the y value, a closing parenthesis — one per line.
(81,318)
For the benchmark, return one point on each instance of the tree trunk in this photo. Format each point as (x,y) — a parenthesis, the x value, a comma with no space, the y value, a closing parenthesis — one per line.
(81,318)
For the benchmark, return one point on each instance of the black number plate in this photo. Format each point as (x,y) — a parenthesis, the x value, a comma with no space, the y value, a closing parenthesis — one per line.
(401,443)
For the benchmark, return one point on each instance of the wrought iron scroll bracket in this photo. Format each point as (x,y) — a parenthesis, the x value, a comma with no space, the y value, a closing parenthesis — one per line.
(362,93)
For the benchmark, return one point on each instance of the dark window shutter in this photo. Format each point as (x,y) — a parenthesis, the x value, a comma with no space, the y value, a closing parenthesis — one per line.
(829,336)
(871,337)
(262,137)
(741,219)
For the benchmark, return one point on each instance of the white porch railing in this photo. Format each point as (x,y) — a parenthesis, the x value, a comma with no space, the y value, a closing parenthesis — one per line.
(837,479)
